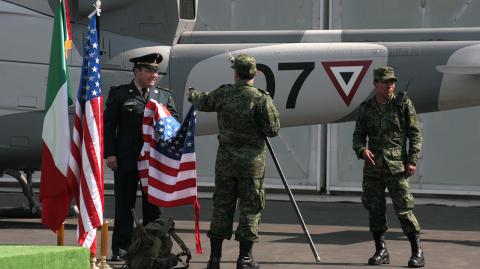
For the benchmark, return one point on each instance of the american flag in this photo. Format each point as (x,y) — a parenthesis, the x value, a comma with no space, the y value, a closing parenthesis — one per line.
(167,162)
(86,158)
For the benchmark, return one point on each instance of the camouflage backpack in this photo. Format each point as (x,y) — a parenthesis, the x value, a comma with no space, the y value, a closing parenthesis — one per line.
(152,246)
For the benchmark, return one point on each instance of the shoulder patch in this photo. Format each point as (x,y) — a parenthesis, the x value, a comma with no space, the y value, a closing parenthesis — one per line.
(163,89)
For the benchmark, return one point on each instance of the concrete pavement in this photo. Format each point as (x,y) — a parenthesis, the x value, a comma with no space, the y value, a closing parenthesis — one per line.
(339,229)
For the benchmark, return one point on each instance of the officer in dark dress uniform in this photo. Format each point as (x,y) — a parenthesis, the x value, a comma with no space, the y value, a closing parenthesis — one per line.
(123,143)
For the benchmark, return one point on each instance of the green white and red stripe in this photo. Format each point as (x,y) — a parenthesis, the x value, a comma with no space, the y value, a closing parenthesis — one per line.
(55,192)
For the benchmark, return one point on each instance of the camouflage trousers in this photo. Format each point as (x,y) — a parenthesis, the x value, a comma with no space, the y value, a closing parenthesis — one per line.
(250,194)
(375,181)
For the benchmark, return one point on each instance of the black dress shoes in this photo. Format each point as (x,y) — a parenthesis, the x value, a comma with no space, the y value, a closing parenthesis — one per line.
(118,255)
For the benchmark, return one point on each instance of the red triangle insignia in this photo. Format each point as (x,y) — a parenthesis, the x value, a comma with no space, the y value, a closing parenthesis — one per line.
(346,76)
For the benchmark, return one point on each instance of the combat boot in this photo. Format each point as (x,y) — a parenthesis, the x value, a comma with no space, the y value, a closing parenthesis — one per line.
(417,259)
(215,253)
(381,255)
(245,258)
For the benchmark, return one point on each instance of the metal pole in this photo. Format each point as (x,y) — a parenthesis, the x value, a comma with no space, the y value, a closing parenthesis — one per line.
(61,235)
(292,199)
(103,247)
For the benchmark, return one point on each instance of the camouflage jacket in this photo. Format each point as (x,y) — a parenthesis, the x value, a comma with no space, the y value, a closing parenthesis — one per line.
(245,116)
(388,127)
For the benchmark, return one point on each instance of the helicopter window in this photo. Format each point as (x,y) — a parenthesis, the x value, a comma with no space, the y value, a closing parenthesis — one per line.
(187,9)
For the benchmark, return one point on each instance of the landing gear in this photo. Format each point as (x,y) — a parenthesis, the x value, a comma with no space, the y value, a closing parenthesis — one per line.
(34,208)
(25,180)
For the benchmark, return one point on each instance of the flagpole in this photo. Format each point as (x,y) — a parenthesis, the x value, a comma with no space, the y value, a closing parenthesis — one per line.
(85,169)
(292,199)
(96,12)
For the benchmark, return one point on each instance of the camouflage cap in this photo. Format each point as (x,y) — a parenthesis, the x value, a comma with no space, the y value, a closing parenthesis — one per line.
(384,73)
(244,64)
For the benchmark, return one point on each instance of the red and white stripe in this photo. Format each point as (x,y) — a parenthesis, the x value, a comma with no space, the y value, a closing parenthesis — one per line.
(86,169)
(167,182)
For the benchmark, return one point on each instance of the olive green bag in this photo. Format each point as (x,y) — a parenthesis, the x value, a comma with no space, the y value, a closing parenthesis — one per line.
(152,246)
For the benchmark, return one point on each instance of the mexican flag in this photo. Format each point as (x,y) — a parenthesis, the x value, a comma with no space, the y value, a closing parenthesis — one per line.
(55,193)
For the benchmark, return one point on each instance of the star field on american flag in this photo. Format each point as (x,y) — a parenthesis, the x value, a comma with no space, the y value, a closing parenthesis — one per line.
(90,85)
(175,140)
(166,128)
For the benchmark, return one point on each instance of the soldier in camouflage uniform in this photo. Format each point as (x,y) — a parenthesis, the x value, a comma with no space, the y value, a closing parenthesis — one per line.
(246,115)
(389,120)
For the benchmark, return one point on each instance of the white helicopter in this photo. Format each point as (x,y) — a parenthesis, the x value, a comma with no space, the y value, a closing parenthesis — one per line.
(314,76)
